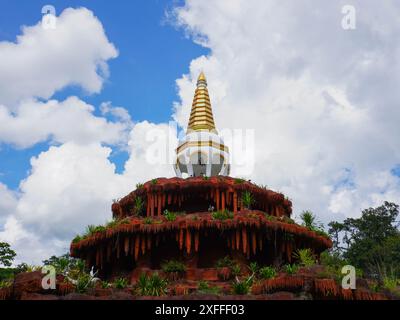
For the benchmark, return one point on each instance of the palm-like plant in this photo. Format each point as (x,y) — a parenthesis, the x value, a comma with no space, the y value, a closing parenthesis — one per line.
(138,206)
(305,257)
(247,199)
(308,219)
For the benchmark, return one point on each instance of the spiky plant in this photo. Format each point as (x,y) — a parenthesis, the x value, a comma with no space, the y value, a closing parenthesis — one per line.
(242,287)
(267,272)
(138,206)
(291,268)
(247,199)
(305,257)
(120,283)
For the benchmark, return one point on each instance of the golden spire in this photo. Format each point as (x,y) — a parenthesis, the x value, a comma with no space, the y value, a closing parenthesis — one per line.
(201,117)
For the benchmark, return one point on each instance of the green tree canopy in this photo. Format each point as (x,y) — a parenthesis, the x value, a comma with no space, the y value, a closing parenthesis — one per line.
(7,255)
(371,242)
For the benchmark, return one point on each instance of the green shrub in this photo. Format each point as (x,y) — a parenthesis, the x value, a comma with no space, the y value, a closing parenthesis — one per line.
(173,266)
(291,268)
(242,287)
(6,283)
(77,239)
(112,224)
(390,283)
(169,216)
(152,285)
(154,181)
(120,283)
(138,206)
(305,257)
(139,185)
(222,215)
(83,283)
(105,285)
(91,230)
(239,180)
(247,199)
(253,267)
(204,288)
(267,272)
(225,262)
(236,270)
(148,220)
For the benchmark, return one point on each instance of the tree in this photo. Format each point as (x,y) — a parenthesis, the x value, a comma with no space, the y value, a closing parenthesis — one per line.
(372,241)
(7,255)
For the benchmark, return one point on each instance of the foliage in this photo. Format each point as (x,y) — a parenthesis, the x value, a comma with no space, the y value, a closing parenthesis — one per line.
(247,199)
(139,185)
(169,215)
(7,274)
(236,270)
(61,263)
(148,220)
(267,272)
(120,283)
(173,266)
(7,255)
(371,242)
(225,262)
(205,288)
(222,215)
(253,267)
(239,180)
(105,285)
(152,285)
(154,181)
(305,257)
(309,221)
(138,205)
(84,282)
(391,284)
(291,268)
(6,283)
(242,287)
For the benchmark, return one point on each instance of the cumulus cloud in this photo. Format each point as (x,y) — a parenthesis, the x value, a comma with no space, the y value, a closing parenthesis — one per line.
(322,100)
(69,120)
(42,61)
(8,202)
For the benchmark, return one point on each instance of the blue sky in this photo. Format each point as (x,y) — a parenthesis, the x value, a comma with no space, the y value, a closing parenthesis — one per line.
(152,55)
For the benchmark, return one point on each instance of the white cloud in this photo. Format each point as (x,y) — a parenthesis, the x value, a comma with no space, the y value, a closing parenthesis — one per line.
(43,61)
(69,120)
(8,202)
(322,100)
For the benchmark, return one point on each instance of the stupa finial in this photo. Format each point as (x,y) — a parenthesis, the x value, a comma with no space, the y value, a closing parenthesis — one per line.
(201,116)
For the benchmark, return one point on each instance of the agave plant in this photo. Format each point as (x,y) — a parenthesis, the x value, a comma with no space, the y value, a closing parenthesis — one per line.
(242,287)
(152,285)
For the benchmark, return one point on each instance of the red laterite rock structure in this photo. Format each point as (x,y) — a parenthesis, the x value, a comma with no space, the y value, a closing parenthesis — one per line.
(198,237)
